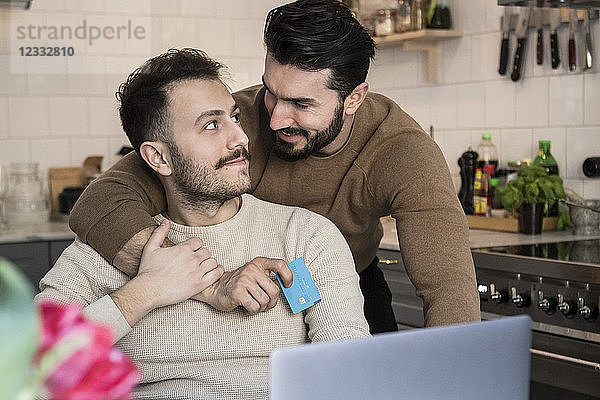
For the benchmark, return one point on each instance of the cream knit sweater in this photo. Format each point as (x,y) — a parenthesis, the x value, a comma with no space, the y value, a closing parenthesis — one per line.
(192,351)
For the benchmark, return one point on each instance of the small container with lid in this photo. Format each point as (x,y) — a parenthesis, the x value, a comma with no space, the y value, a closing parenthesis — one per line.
(385,23)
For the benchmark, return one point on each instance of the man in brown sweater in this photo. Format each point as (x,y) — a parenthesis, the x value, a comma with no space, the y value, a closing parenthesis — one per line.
(319,140)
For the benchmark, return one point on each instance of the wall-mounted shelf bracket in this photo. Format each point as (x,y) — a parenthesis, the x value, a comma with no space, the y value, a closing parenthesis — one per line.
(423,40)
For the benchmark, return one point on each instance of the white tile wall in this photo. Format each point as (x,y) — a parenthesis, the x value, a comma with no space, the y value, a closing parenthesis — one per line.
(532,103)
(471,97)
(104,118)
(50,152)
(58,119)
(69,116)
(28,116)
(582,143)
(470,105)
(592,99)
(13,150)
(3,118)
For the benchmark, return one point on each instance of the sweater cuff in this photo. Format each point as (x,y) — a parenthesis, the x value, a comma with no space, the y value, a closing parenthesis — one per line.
(112,232)
(104,311)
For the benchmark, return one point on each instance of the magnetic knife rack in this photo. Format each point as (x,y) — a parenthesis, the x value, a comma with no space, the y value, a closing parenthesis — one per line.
(564,17)
(551,3)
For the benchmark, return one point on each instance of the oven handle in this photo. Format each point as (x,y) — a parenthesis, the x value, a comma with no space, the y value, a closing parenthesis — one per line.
(584,363)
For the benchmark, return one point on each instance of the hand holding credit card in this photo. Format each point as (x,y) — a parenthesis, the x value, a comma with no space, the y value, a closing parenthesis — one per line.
(303,293)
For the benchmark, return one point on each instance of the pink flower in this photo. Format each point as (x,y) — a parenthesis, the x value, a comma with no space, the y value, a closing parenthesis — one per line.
(96,370)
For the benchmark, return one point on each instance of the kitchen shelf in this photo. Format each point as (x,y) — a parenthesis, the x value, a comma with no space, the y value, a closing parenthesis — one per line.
(424,40)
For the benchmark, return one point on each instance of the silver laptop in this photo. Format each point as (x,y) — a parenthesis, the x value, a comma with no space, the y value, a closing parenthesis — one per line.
(483,360)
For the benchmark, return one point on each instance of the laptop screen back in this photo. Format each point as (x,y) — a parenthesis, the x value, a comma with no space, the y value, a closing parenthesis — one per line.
(483,360)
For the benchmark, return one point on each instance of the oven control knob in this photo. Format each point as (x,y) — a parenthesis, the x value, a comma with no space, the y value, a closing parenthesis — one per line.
(519,299)
(498,296)
(548,305)
(566,307)
(586,311)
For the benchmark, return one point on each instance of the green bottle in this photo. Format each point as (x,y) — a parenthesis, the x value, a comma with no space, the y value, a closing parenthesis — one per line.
(546,160)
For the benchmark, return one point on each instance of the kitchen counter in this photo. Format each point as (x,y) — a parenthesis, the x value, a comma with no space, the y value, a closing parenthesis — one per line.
(44,232)
(482,238)
(477,237)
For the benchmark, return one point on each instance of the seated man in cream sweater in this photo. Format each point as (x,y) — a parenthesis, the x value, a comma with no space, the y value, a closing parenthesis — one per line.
(183,122)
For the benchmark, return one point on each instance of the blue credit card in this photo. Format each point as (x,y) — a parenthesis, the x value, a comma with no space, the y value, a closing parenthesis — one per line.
(303,293)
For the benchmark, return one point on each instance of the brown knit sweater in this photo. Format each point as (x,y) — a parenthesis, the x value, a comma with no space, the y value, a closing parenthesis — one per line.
(389,166)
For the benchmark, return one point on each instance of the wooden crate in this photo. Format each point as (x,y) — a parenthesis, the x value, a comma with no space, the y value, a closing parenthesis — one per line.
(507,224)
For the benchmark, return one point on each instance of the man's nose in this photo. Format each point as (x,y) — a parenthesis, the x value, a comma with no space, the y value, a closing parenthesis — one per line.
(280,117)
(238,137)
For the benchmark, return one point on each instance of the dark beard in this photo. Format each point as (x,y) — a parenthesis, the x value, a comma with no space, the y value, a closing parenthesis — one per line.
(286,151)
(199,185)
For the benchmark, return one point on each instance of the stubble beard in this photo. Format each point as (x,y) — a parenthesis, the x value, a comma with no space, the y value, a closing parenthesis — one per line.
(199,186)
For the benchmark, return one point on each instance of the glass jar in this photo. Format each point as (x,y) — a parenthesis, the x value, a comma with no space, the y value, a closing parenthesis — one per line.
(403,23)
(385,23)
(26,203)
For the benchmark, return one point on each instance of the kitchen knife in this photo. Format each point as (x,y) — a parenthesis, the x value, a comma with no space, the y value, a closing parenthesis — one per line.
(504,44)
(588,41)
(554,24)
(521,33)
(539,52)
(573,25)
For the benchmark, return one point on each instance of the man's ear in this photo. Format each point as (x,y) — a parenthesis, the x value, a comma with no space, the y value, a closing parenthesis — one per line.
(156,156)
(355,99)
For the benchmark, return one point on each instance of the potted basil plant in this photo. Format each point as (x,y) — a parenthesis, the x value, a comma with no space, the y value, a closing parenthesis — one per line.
(530,194)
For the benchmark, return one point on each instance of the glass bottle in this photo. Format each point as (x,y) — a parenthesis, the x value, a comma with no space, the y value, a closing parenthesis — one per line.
(441,18)
(477,201)
(417,16)
(488,155)
(546,160)
(403,12)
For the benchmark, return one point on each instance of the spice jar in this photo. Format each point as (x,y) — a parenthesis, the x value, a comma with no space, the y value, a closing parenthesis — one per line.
(385,22)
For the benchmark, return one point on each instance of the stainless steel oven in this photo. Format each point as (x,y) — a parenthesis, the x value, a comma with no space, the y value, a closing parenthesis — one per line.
(558,286)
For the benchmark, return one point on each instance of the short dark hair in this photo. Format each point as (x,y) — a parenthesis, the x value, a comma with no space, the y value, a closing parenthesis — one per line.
(143,97)
(321,34)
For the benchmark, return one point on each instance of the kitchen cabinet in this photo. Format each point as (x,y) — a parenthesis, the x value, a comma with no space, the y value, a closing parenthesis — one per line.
(425,40)
(408,307)
(34,258)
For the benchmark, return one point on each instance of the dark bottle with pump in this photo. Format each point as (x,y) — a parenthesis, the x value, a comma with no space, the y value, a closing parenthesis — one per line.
(467,163)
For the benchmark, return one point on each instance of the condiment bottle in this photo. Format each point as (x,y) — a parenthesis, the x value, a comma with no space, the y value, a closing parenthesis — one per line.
(486,192)
(417,16)
(441,16)
(403,12)
(477,193)
(546,160)
(487,153)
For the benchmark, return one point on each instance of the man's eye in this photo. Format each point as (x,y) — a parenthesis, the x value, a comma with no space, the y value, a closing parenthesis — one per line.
(211,125)
(235,118)
(301,106)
